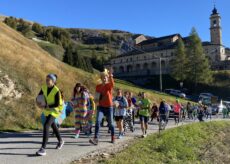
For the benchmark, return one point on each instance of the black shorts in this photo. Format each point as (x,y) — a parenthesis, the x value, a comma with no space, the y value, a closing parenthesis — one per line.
(144,118)
(176,115)
(118,118)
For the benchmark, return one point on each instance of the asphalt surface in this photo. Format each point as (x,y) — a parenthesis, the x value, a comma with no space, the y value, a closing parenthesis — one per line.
(20,148)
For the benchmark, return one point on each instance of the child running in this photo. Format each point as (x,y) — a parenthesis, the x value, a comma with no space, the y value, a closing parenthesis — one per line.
(105,107)
(128,119)
(177,111)
(80,100)
(52,110)
(120,106)
(144,113)
(90,113)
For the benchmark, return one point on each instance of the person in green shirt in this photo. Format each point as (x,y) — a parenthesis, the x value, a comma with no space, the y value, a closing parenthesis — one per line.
(144,113)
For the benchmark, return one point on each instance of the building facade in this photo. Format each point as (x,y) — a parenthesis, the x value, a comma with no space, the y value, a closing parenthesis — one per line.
(150,56)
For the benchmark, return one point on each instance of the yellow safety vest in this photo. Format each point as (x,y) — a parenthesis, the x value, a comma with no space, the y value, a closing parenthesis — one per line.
(50,100)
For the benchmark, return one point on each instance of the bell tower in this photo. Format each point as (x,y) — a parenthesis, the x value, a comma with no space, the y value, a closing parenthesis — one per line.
(215,27)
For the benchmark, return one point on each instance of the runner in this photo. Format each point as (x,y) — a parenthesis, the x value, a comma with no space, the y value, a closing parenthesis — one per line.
(52,110)
(209,112)
(134,102)
(90,113)
(105,107)
(177,110)
(128,119)
(189,110)
(155,112)
(163,110)
(144,113)
(120,107)
(200,113)
(79,100)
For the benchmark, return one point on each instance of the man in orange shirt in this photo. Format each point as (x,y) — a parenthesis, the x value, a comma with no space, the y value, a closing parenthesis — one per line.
(105,107)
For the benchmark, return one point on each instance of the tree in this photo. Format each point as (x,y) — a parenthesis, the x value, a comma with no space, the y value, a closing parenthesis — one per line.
(179,64)
(198,65)
(11,21)
(68,56)
(37,28)
(23,27)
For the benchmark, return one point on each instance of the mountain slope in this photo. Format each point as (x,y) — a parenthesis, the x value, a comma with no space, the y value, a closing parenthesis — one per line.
(26,65)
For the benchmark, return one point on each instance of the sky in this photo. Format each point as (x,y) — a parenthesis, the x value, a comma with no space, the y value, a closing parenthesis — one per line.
(150,17)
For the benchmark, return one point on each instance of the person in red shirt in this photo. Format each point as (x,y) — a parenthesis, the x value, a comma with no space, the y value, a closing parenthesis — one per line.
(104,93)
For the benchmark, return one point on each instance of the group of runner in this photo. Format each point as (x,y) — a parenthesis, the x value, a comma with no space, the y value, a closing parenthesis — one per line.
(123,108)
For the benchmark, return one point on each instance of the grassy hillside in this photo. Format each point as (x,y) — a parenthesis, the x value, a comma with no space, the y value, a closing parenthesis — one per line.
(27,65)
(194,143)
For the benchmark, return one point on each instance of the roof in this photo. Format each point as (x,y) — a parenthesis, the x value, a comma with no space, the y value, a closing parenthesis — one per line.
(154,40)
(214,11)
(136,52)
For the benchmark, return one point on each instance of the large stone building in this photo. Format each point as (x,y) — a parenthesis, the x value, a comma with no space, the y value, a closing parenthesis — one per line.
(149,55)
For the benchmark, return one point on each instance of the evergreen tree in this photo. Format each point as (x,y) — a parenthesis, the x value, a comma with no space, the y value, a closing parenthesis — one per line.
(37,28)
(68,56)
(24,27)
(11,21)
(198,65)
(179,65)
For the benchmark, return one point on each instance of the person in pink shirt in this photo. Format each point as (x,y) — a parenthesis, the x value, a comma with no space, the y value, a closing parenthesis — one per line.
(177,109)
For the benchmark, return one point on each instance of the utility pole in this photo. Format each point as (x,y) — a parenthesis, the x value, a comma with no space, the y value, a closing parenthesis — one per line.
(160,76)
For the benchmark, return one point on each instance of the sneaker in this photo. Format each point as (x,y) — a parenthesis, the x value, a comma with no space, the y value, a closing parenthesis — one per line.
(60,145)
(94,141)
(112,139)
(41,152)
(120,136)
(76,136)
(144,135)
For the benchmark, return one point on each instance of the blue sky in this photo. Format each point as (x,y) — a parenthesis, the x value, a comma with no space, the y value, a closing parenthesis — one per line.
(150,17)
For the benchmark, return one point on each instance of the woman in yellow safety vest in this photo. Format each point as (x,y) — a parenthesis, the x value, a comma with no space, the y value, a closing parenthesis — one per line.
(52,110)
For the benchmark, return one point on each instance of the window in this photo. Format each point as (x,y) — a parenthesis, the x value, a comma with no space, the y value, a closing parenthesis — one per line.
(214,23)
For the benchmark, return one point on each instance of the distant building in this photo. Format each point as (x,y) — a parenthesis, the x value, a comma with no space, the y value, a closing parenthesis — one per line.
(147,54)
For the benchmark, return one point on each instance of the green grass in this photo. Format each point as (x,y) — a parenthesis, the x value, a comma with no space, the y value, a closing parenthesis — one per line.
(55,50)
(152,95)
(194,143)
(98,50)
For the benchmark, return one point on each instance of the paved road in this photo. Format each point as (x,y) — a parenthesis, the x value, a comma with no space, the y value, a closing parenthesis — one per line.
(20,148)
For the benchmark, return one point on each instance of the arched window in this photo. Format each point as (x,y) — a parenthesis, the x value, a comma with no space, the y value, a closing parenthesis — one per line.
(145,66)
(129,68)
(163,64)
(154,65)
(115,69)
(121,69)
(138,67)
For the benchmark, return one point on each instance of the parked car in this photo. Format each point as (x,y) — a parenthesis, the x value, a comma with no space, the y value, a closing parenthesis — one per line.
(178,93)
(207,98)
(227,104)
(215,109)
